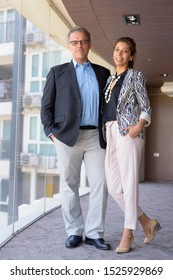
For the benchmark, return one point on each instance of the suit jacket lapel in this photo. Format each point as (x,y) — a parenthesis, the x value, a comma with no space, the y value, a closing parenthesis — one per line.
(72,74)
(72,77)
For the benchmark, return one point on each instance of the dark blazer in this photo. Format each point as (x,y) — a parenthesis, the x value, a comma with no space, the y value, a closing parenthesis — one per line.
(61,102)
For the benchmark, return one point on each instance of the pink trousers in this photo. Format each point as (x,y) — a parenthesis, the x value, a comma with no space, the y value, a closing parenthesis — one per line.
(122,162)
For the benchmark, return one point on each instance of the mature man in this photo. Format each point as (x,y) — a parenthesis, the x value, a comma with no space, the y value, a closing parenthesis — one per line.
(71,117)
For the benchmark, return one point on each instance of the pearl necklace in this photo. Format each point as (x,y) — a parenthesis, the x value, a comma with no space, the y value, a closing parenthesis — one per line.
(109,90)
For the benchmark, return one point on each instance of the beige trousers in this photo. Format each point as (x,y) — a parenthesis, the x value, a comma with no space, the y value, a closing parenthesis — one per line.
(122,162)
(87,149)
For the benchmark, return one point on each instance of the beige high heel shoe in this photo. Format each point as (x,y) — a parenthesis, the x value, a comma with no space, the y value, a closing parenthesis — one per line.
(120,250)
(152,227)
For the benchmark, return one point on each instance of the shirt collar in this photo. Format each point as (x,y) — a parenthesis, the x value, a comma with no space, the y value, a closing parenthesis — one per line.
(76,64)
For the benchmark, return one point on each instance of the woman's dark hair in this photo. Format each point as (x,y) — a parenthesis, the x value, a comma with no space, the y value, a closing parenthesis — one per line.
(132,45)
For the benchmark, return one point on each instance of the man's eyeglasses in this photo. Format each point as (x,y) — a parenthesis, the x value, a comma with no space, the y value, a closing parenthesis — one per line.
(81,42)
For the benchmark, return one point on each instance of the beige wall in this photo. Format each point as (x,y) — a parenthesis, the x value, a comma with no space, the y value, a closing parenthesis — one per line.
(159,140)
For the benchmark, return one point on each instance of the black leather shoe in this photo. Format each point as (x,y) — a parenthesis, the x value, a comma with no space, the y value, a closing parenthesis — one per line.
(73,241)
(98,243)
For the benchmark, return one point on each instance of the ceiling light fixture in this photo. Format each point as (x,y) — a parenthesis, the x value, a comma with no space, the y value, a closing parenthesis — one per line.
(132,19)
(164,75)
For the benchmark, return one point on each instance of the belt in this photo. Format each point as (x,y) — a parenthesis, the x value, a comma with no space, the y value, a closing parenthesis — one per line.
(85,127)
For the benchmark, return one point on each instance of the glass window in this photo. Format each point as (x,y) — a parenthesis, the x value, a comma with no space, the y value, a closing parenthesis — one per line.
(32,148)
(33,128)
(7,21)
(6,129)
(46,149)
(35,65)
(3,190)
(10,25)
(43,84)
(10,15)
(42,134)
(45,64)
(34,86)
(1,16)
(6,139)
(2,26)
(28,158)
(50,59)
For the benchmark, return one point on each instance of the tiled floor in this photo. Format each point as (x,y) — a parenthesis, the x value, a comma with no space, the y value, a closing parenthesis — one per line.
(44,239)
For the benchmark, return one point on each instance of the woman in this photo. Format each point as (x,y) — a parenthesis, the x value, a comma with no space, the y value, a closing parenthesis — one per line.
(126,111)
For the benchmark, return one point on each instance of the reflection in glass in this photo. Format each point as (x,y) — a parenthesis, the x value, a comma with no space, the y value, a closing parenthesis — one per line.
(29,178)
